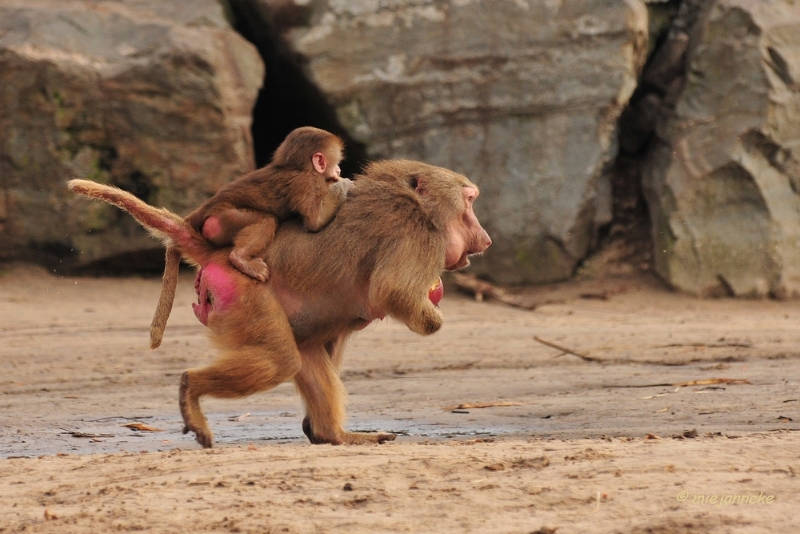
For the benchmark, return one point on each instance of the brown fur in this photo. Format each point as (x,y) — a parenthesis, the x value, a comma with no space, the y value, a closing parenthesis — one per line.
(378,257)
(297,181)
(256,352)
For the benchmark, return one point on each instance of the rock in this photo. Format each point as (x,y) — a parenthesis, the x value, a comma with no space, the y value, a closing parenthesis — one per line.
(521,96)
(152,96)
(723,179)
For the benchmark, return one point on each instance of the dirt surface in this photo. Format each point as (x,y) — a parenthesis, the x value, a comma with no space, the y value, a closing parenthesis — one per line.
(665,414)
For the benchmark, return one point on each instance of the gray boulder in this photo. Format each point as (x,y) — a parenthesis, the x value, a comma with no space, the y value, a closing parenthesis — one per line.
(154,97)
(521,96)
(723,180)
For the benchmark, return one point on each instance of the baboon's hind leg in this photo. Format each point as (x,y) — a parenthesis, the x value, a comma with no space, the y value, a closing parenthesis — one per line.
(235,374)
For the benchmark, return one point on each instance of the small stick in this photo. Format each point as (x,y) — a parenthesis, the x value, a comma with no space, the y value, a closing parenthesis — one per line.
(709,345)
(567,351)
(78,434)
(468,405)
(481,290)
(119,417)
(731,381)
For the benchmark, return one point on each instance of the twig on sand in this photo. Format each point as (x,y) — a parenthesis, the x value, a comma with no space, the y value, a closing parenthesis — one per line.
(565,350)
(78,434)
(711,381)
(467,406)
(706,382)
(480,289)
(710,345)
(142,427)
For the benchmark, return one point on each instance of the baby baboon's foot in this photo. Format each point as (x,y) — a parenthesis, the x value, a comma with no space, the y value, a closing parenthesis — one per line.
(345,438)
(193,419)
(252,267)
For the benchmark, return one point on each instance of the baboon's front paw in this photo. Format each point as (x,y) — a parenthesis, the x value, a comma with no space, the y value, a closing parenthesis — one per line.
(428,321)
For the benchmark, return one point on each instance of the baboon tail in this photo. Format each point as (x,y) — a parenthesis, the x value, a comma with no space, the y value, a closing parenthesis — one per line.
(179,238)
(165,225)
(167,297)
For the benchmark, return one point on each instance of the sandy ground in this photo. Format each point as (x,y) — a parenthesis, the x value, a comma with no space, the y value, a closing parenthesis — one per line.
(641,434)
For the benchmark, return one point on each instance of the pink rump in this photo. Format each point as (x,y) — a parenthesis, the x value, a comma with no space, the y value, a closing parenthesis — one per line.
(216,291)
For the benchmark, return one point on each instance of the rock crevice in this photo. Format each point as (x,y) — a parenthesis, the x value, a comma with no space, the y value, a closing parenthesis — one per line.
(288,99)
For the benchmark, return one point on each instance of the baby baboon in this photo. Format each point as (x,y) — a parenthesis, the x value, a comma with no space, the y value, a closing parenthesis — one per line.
(245,213)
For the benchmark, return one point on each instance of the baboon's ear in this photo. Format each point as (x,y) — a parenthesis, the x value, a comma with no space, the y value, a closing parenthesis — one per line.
(320,162)
(417,183)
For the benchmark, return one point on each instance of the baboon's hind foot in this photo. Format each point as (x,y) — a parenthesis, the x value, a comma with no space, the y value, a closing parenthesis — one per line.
(193,418)
(345,438)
